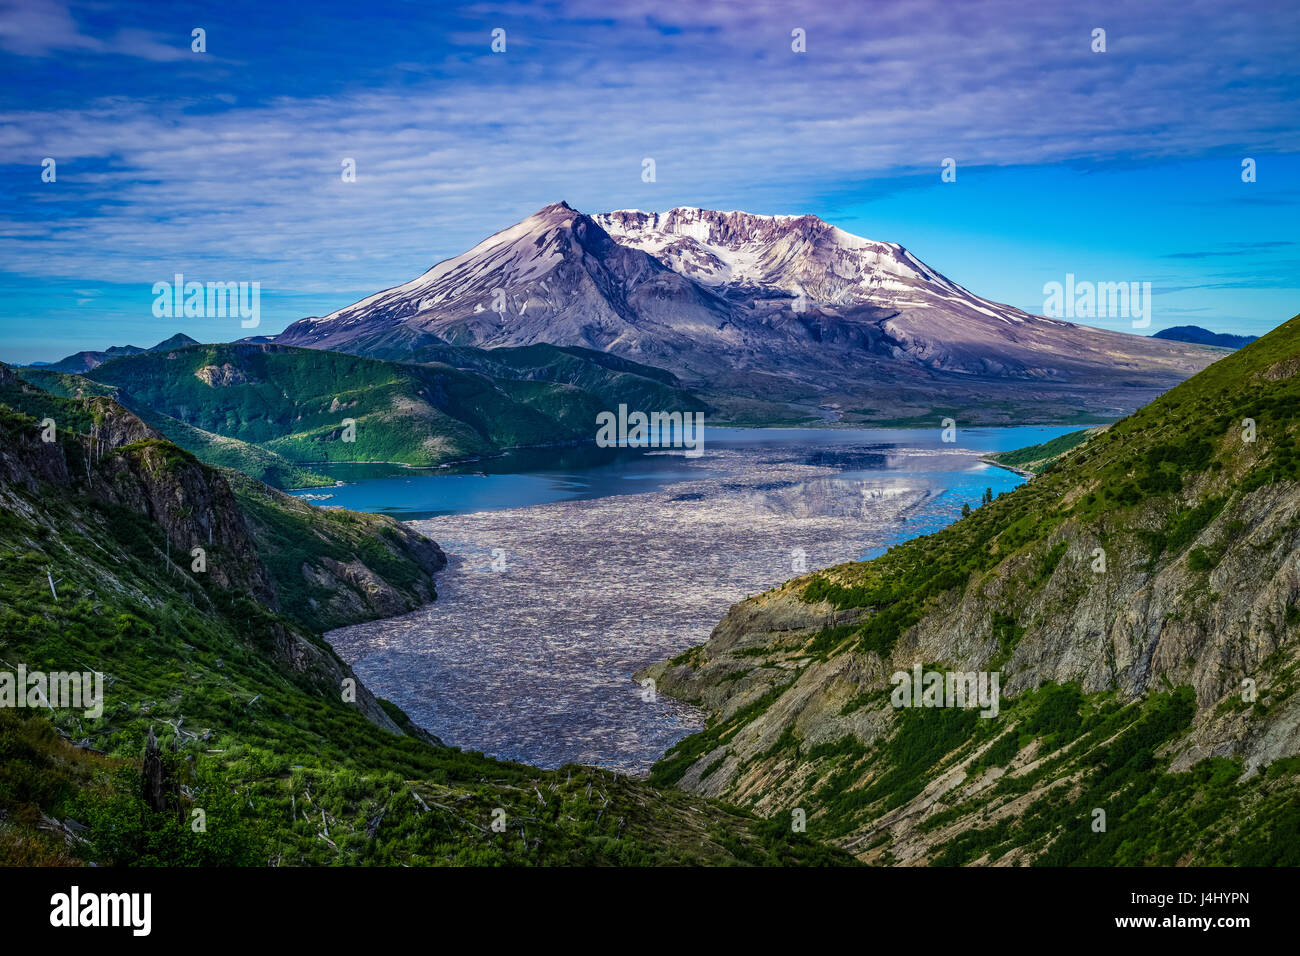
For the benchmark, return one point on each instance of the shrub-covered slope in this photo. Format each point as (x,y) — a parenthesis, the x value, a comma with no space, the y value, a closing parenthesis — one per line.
(294,402)
(1140,600)
(307,406)
(1038,458)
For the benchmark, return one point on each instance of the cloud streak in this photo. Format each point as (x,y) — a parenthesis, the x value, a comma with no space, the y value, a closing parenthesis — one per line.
(205,179)
(43,28)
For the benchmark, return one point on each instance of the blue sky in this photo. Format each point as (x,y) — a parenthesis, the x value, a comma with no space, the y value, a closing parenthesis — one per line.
(225,165)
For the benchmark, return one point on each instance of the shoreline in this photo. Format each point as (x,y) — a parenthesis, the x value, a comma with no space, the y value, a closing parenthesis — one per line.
(523,628)
(505,453)
(1022,472)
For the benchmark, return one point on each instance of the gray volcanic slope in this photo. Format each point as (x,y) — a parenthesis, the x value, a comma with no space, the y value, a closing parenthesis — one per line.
(766,309)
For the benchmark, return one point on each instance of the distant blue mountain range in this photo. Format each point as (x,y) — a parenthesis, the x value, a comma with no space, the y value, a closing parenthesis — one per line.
(1199,336)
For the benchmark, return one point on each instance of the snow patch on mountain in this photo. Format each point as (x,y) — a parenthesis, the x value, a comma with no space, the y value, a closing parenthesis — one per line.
(801,255)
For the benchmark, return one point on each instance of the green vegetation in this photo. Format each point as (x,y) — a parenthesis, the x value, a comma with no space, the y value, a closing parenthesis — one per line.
(1038,458)
(1171,483)
(1133,467)
(669,771)
(272,411)
(294,402)
(292,535)
(253,460)
(286,769)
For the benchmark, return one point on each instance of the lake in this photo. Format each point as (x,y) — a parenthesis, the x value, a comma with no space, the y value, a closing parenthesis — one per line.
(539,476)
(572,568)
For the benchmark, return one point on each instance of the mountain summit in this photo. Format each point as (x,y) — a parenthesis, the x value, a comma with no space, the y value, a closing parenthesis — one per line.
(762,313)
(802,255)
(556,277)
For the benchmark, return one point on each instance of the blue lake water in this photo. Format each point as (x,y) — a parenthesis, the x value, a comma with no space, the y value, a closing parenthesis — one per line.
(540,476)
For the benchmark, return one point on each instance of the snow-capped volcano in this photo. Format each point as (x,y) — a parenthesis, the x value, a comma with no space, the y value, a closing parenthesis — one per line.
(555,277)
(801,255)
(772,308)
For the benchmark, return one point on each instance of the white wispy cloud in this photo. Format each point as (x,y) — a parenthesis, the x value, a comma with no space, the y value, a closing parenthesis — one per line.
(196,182)
(42,28)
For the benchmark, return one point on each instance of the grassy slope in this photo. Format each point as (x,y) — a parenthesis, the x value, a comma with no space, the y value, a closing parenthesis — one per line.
(566,384)
(253,460)
(1149,486)
(1149,456)
(293,402)
(286,771)
(1037,458)
(292,535)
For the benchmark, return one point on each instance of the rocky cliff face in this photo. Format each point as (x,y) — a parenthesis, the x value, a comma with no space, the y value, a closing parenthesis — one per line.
(334,568)
(1163,554)
(1130,630)
(109,454)
(104,457)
